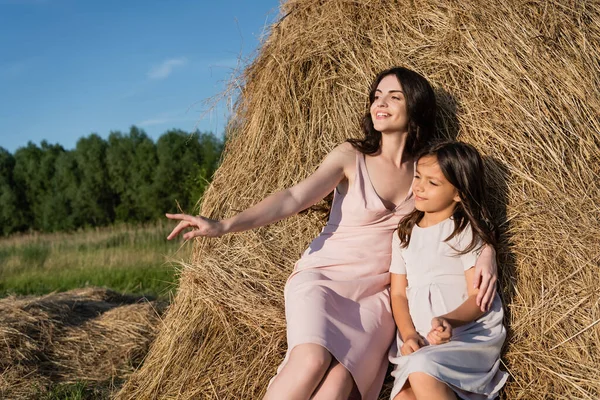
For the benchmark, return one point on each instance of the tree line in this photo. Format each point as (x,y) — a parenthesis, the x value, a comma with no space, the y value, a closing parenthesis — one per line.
(126,178)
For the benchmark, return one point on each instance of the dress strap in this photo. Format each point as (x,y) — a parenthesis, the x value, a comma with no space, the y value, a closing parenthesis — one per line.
(359,174)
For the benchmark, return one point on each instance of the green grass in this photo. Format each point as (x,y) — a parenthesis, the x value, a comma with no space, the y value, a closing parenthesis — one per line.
(73,391)
(132,259)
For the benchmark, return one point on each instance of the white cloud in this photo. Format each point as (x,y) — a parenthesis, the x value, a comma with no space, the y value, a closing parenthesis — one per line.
(170,117)
(165,69)
(152,122)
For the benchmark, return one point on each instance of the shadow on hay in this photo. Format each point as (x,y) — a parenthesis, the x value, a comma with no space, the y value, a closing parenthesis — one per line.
(69,311)
(497,191)
(497,194)
(447,123)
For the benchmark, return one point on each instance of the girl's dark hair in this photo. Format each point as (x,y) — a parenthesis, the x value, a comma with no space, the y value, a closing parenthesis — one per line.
(420,109)
(463,167)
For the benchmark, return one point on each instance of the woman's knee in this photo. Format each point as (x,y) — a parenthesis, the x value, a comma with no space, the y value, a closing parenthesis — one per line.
(311,357)
(341,377)
(337,383)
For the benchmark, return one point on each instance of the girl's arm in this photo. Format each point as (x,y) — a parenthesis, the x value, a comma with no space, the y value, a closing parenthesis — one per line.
(485,277)
(411,339)
(400,311)
(278,205)
(468,311)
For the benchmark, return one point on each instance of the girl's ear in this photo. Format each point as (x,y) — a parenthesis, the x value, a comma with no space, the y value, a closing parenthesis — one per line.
(456,197)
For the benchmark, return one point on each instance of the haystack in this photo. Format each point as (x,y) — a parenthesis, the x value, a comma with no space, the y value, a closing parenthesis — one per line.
(518,79)
(94,336)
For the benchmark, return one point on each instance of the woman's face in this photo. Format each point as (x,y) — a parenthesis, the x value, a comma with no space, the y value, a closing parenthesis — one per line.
(388,110)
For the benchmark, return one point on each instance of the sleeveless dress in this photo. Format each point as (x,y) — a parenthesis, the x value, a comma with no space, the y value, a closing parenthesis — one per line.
(469,363)
(338,294)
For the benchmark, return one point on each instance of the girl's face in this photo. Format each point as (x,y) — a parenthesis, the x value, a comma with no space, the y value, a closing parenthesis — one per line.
(388,110)
(433,193)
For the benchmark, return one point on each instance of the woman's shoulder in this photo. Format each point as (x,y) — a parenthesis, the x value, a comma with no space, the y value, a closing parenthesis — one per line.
(346,149)
(345,154)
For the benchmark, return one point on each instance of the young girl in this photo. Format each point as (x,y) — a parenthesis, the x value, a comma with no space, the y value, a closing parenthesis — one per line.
(447,346)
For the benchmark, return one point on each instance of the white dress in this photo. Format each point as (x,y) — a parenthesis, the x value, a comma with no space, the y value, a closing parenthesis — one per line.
(469,363)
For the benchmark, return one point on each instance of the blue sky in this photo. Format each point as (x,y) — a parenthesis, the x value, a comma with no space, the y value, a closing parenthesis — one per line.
(72,67)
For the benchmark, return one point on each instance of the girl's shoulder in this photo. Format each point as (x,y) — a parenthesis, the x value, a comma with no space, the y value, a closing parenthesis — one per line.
(466,235)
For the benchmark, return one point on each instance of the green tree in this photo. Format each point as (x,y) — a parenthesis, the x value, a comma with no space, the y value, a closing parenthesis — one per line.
(33,175)
(45,217)
(144,165)
(179,157)
(131,161)
(28,181)
(59,209)
(94,201)
(11,215)
(210,155)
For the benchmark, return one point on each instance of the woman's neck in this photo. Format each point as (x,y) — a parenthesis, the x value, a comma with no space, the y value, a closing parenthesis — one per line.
(392,147)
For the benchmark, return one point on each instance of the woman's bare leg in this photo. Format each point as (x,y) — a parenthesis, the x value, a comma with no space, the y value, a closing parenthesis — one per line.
(302,373)
(406,393)
(427,387)
(337,384)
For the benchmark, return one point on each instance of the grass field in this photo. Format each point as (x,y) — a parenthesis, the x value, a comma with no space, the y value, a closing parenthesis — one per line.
(135,259)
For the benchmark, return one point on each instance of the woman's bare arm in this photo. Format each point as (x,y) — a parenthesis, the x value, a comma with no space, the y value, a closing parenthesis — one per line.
(485,277)
(468,311)
(278,205)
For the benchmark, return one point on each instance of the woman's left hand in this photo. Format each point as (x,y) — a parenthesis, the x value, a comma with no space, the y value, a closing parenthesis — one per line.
(486,275)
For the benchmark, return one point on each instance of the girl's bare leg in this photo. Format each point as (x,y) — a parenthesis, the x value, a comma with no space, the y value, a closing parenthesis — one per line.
(406,393)
(427,387)
(337,384)
(302,373)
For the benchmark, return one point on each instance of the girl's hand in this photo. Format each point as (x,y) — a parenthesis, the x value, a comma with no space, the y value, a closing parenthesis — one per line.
(201,226)
(486,275)
(412,344)
(441,331)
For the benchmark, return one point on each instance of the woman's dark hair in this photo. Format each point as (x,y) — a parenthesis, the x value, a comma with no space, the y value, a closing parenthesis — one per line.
(420,109)
(463,167)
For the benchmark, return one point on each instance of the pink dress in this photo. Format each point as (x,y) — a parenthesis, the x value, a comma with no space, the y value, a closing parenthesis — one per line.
(338,294)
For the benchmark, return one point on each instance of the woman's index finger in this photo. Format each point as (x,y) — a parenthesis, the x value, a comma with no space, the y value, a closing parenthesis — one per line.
(184,217)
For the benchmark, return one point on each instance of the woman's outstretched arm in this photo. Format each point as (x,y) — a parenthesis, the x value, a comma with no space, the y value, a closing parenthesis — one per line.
(278,205)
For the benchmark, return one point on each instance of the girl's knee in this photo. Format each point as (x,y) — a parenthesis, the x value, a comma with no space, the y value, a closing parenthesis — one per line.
(420,378)
(406,393)
(405,396)
(422,383)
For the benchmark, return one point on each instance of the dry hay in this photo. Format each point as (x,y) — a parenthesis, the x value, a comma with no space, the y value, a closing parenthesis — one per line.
(518,79)
(84,335)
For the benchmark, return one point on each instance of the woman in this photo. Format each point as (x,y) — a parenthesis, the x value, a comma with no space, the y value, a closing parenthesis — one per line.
(339,320)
